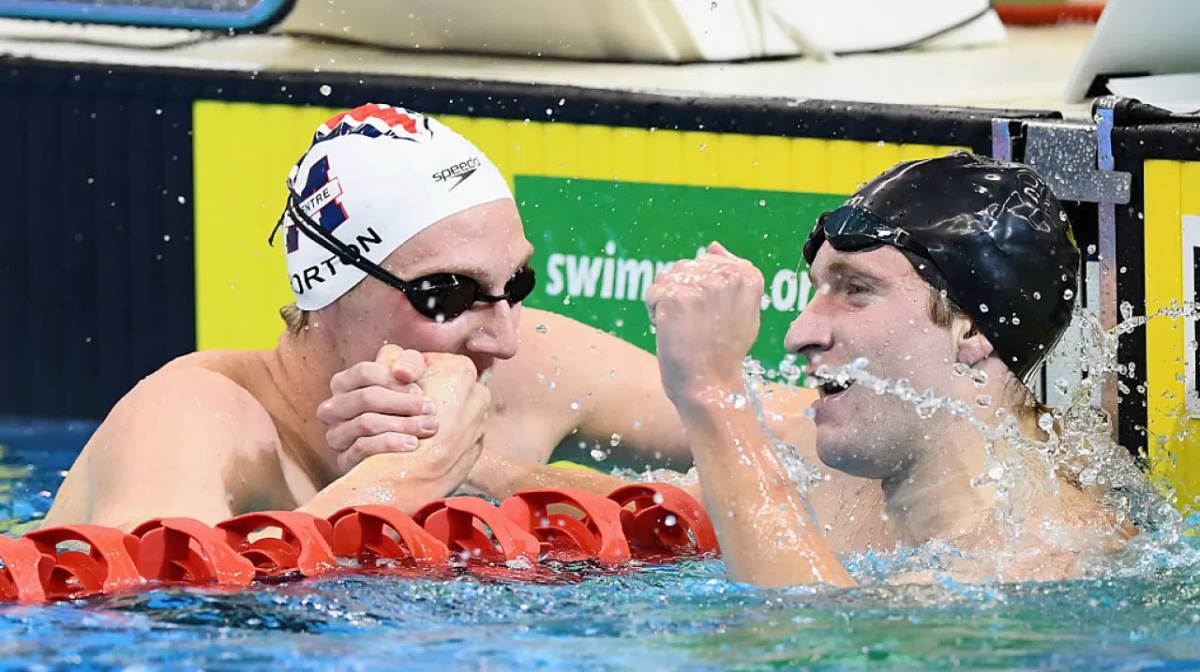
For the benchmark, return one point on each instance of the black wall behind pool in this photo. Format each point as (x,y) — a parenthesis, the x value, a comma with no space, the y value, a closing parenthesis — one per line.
(96,260)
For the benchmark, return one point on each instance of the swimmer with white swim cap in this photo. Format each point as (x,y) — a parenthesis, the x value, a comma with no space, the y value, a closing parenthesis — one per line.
(408,261)
(934,267)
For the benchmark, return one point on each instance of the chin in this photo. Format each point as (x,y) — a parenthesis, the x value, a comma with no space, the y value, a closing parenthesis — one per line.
(839,450)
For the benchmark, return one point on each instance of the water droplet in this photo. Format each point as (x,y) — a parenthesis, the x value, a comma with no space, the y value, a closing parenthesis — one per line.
(599,455)
(762,202)
(983,308)
(1069,294)
(1016,320)
(614,440)
(541,328)
(574,405)
(658,498)
(326,89)
(182,200)
(983,400)
(979,377)
(961,369)
(1126,310)
(670,520)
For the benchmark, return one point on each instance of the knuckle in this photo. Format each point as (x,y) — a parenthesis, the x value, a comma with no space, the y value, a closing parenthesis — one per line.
(367,424)
(334,438)
(325,412)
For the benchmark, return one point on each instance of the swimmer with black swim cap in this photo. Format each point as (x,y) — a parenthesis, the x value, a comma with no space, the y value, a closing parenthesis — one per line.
(933,266)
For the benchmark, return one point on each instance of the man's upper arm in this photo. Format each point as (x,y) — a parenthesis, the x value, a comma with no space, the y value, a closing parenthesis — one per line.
(604,384)
(167,449)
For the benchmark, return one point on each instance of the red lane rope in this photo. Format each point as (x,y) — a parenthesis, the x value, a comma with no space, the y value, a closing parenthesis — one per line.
(652,521)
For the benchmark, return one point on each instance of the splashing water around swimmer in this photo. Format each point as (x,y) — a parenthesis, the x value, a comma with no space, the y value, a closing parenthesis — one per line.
(1079,448)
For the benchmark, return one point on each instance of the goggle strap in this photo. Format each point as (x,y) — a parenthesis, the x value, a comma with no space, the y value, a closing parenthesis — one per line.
(343,252)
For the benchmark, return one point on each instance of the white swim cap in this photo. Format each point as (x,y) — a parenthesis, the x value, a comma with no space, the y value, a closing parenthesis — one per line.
(373,178)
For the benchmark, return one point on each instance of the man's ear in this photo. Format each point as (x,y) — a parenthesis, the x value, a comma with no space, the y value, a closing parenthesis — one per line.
(972,346)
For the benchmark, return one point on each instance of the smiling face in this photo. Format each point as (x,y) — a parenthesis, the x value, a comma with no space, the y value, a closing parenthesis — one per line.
(873,305)
(486,243)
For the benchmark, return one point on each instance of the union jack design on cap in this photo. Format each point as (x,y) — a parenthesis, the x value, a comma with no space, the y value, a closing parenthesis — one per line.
(375,120)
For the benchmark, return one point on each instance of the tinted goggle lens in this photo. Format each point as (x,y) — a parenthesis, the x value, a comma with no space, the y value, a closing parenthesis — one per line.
(851,229)
(447,295)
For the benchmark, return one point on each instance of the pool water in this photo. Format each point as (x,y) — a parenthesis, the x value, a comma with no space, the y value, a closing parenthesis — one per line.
(678,616)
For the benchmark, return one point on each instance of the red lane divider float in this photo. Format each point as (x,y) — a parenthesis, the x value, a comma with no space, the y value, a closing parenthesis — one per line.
(652,521)
(303,546)
(106,566)
(375,535)
(665,521)
(597,535)
(186,551)
(477,531)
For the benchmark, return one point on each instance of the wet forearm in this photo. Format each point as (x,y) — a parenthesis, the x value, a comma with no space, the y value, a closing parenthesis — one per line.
(387,478)
(765,533)
(501,476)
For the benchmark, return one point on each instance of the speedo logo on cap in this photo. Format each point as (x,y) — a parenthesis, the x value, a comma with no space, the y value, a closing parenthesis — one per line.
(458,173)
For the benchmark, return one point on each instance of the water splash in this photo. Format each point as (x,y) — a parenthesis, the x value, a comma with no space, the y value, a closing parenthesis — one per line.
(1078,447)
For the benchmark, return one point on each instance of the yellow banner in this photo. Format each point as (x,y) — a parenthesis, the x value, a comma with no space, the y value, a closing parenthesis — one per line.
(243,152)
(1172,241)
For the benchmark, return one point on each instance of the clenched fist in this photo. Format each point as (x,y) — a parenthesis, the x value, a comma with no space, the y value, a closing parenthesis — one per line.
(377,407)
(706,312)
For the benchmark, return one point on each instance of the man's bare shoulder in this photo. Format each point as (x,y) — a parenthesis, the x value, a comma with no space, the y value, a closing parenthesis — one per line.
(166,448)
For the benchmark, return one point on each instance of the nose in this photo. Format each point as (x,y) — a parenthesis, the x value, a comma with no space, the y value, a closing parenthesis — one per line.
(810,332)
(497,332)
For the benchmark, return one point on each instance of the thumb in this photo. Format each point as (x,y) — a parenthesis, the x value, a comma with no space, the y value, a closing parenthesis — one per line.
(719,249)
(408,367)
(388,354)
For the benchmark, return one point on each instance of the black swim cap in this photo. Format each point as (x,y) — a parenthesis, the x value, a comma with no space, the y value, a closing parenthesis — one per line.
(990,234)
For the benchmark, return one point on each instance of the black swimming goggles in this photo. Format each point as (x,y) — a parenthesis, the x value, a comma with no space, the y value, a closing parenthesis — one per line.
(440,296)
(854,229)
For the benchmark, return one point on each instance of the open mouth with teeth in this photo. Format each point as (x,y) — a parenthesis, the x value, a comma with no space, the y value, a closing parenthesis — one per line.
(829,386)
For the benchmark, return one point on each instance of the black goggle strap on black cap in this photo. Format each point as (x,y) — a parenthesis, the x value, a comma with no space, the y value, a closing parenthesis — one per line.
(853,229)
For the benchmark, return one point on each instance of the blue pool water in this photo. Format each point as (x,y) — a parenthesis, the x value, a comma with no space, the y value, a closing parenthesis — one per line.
(684,616)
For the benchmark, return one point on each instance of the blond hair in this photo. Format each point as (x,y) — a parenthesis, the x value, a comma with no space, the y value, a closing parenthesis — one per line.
(295,317)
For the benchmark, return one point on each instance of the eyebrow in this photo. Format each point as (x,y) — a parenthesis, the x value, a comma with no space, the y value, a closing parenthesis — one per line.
(842,268)
(479,273)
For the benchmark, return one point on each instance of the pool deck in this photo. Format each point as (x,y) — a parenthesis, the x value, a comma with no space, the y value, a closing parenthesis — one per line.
(1029,70)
